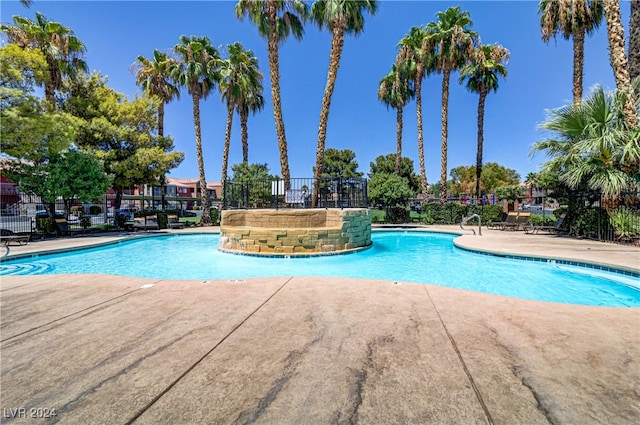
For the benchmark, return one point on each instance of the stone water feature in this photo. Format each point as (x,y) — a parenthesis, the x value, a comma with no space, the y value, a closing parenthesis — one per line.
(294,231)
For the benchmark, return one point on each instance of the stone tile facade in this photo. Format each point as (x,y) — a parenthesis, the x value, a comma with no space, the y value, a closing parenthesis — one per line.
(294,231)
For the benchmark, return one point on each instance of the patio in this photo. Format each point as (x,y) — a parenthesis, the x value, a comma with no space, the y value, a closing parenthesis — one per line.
(292,350)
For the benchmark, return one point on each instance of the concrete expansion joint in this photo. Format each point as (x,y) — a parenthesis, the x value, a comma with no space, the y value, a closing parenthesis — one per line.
(466,370)
(198,361)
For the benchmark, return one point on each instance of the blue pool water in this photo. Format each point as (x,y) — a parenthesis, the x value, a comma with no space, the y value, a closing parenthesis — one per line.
(396,256)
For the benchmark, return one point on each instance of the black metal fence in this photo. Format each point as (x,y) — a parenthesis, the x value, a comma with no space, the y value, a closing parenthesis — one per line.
(27,214)
(332,193)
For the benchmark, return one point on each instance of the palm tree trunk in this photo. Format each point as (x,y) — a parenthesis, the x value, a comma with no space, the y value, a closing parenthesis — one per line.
(274,73)
(204,198)
(161,119)
(481,101)
(225,150)
(399,125)
(244,133)
(337,42)
(163,180)
(50,85)
(634,40)
(618,57)
(445,134)
(423,172)
(578,65)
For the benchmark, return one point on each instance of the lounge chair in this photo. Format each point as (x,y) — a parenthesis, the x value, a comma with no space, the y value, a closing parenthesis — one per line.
(145,223)
(7,237)
(531,229)
(174,223)
(63,228)
(508,220)
(521,221)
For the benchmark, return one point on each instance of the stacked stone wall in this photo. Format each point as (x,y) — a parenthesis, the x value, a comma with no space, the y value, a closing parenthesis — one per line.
(308,231)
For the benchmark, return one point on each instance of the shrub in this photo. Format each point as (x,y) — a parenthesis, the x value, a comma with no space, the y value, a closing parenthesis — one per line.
(95,210)
(214,216)
(625,222)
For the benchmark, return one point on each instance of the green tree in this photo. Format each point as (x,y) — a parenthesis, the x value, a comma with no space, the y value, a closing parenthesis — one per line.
(62,50)
(339,163)
(395,91)
(417,59)
(29,132)
(494,175)
(452,42)
(276,20)
(197,69)
(121,133)
(389,190)
(340,17)
(487,63)
(385,164)
(591,145)
(571,19)
(72,175)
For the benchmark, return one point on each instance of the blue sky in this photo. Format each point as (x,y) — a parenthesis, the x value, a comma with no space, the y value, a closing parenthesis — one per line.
(540,78)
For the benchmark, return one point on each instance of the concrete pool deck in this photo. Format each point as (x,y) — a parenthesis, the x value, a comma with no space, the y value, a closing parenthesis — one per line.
(109,350)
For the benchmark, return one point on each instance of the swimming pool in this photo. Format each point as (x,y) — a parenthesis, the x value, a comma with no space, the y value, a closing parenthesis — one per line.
(420,257)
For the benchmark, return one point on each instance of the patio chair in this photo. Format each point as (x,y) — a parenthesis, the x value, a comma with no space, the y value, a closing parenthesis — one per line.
(508,220)
(521,220)
(63,228)
(174,223)
(7,237)
(556,228)
(145,223)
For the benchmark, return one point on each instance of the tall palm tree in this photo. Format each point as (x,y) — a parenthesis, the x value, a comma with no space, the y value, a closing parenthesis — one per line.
(571,19)
(240,85)
(418,62)
(152,75)
(487,64)
(63,51)
(197,69)
(395,91)
(453,42)
(618,58)
(340,17)
(634,40)
(276,20)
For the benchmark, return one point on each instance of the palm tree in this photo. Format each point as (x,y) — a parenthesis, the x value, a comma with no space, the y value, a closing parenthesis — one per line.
(592,146)
(481,73)
(152,75)
(418,62)
(264,14)
(618,58)
(395,91)
(240,86)
(62,50)
(340,17)
(571,19)
(634,40)
(197,70)
(452,42)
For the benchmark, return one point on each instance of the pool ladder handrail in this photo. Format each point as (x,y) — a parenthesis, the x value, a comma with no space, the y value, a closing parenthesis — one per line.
(464,220)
